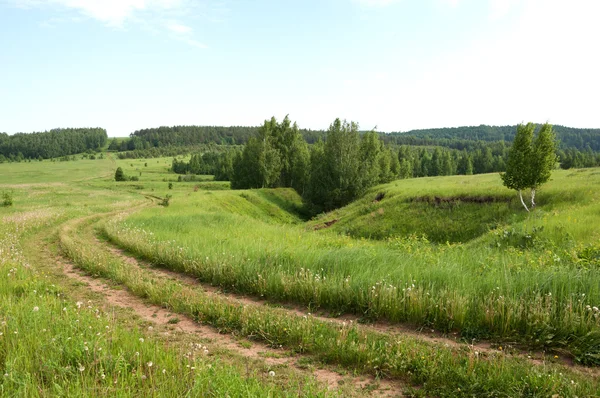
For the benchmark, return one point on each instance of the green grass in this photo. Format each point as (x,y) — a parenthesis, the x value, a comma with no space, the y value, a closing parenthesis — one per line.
(435,369)
(56,339)
(521,281)
(54,172)
(504,275)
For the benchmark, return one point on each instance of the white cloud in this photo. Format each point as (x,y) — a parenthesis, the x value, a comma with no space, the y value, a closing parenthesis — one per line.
(178,28)
(111,12)
(194,43)
(149,14)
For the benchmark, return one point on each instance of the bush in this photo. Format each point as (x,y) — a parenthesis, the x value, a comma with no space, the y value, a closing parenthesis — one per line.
(170,185)
(165,201)
(7,199)
(119,175)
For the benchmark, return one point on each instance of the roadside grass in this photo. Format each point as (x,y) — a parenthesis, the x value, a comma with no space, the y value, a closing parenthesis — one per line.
(524,280)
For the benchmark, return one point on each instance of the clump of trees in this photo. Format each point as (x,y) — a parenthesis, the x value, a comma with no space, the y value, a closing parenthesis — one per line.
(331,174)
(530,160)
(345,165)
(277,156)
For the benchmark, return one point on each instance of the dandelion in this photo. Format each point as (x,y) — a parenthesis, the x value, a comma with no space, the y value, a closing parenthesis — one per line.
(103,376)
(137,354)
(36,309)
(149,364)
(205,352)
(272,374)
(164,371)
(141,339)
(81,368)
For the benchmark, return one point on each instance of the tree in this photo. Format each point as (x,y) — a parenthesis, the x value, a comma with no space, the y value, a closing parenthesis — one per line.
(119,175)
(530,162)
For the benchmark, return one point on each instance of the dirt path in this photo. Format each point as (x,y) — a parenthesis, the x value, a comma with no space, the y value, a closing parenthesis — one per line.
(427,335)
(272,358)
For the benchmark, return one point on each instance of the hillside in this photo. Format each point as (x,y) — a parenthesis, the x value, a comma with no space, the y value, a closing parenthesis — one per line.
(461,137)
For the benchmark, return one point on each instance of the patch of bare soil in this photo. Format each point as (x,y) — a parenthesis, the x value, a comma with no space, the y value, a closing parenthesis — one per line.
(438,200)
(326,224)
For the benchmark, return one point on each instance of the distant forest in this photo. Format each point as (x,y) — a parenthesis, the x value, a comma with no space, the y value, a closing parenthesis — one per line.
(465,137)
(429,152)
(51,144)
(477,149)
(454,137)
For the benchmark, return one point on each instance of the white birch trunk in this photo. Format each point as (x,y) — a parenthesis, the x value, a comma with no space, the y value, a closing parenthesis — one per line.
(532,198)
(522,201)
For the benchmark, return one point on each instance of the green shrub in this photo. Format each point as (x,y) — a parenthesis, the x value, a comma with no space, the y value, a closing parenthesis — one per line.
(119,175)
(7,199)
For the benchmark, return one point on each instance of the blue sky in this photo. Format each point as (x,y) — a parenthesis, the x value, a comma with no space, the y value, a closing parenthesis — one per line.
(394,64)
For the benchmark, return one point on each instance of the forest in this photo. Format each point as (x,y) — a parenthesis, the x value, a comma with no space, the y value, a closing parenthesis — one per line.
(51,144)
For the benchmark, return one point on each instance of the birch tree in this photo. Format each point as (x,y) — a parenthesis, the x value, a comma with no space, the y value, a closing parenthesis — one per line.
(530,161)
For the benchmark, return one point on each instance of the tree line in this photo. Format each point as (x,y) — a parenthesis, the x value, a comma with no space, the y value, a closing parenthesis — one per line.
(463,137)
(466,137)
(51,144)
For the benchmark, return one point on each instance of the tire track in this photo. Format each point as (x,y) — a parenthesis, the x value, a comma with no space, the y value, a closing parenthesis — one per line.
(271,357)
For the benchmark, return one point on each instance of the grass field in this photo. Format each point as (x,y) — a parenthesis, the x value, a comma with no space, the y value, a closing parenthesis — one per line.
(457,256)
(522,278)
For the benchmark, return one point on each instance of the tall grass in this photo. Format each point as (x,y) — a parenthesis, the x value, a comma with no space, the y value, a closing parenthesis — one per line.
(492,287)
(437,370)
(53,345)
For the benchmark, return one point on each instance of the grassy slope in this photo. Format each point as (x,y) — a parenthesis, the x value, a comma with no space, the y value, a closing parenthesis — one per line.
(488,287)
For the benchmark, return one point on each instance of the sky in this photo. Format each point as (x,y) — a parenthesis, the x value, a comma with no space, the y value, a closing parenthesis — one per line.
(393,65)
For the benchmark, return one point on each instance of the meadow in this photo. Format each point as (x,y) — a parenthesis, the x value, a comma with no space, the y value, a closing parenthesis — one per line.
(511,299)
(523,279)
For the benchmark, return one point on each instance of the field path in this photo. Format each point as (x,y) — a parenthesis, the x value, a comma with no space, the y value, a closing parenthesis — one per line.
(272,358)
